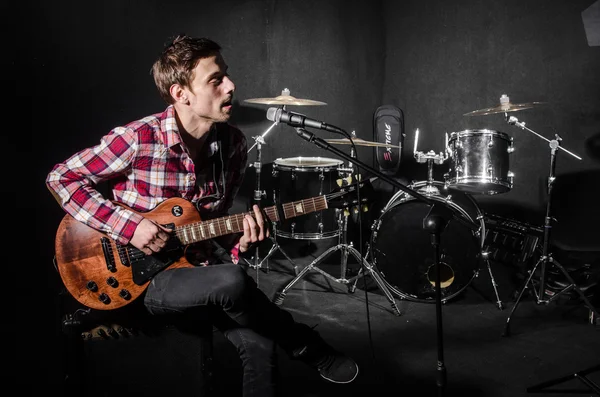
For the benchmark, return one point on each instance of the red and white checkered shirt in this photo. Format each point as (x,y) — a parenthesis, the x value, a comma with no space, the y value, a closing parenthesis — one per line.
(146,162)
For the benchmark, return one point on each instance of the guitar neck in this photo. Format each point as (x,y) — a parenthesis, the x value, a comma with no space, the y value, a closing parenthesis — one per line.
(205,230)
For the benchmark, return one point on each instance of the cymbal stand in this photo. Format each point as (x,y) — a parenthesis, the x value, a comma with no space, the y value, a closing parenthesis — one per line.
(546,256)
(258,195)
(345,248)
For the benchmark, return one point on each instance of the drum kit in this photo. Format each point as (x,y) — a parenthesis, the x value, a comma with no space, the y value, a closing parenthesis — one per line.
(478,163)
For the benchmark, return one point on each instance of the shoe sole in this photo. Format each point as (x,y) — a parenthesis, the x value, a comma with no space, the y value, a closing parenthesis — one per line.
(341,382)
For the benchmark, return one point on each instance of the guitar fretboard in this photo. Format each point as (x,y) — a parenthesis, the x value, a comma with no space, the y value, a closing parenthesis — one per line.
(205,230)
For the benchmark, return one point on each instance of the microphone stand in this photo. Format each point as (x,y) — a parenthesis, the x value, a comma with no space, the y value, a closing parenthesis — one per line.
(436,220)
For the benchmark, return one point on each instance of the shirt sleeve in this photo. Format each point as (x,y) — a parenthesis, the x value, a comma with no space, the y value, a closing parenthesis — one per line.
(73,184)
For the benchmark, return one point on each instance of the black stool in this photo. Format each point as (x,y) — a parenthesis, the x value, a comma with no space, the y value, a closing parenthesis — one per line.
(128,352)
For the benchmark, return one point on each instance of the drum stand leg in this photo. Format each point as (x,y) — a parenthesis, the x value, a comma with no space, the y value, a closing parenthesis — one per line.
(581,375)
(485,255)
(274,248)
(256,263)
(345,248)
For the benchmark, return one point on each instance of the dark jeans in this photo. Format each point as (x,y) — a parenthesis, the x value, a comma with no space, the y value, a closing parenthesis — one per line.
(244,314)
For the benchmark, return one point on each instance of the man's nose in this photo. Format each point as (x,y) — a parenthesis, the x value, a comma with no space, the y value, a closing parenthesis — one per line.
(230,84)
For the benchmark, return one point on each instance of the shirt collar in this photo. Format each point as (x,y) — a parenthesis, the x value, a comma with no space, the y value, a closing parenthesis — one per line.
(171,132)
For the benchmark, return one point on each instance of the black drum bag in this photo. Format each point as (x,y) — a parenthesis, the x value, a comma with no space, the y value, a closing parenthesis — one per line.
(388,127)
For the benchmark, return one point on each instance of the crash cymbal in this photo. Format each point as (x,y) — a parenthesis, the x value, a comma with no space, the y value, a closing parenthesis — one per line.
(285,100)
(504,107)
(358,142)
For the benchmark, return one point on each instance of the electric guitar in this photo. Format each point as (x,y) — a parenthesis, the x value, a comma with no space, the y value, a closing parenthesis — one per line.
(103,274)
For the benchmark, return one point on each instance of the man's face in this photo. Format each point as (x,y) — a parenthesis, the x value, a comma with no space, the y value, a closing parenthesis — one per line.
(211,92)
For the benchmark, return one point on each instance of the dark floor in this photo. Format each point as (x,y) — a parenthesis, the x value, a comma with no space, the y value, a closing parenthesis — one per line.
(398,355)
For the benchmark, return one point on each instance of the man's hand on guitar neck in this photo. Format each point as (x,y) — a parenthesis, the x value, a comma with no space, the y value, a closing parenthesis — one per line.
(255,229)
(150,237)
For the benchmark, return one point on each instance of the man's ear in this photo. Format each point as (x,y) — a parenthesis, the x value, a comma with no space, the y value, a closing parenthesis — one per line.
(178,93)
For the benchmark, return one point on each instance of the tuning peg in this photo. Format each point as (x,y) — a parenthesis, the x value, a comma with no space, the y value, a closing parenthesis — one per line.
(344,181)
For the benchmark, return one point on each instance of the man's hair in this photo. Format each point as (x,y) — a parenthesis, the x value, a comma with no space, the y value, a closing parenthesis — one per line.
(177,62)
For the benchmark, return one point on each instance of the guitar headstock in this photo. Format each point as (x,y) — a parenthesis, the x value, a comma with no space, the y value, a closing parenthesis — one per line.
(351,192)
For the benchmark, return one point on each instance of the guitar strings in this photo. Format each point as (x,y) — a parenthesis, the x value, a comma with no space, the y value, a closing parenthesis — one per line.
(224,223)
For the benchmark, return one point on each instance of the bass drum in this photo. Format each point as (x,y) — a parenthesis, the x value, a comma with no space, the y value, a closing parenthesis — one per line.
(404,256)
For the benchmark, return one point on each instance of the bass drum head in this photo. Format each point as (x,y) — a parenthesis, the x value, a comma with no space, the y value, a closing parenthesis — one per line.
(405,258)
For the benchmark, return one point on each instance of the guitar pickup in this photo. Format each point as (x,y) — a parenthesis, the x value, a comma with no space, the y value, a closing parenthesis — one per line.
(109,257)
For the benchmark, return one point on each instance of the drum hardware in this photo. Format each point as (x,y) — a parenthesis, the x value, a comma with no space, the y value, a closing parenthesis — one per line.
(504,107)
(442,214)
(345,247)
(258,195)
(430,158)
(431,189)
(546,256)
(285,99)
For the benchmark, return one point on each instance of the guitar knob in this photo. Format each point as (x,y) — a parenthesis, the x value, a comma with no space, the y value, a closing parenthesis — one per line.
(104,298)
(92,286)
(112,282)
(125,294)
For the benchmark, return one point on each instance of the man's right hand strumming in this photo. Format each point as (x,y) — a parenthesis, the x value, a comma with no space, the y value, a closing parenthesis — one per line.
(150,237)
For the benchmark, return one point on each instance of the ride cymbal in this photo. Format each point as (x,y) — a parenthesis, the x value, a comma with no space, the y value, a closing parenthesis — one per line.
(504,107)
(358,142)
(285,100)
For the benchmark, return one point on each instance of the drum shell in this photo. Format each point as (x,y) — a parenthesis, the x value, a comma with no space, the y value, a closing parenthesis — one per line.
(479,162)
(298,178)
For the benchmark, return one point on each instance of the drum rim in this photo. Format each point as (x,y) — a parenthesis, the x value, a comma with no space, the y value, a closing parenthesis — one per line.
(308,236)
(373,240)
(453,182)
(478,131)
(331,163)
(415,186)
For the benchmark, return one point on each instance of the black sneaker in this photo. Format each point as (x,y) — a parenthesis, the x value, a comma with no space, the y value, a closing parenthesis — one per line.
(331,364)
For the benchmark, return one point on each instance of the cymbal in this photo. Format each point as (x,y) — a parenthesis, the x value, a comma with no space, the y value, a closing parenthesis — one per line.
(505,107)
(358,142)
(285,100)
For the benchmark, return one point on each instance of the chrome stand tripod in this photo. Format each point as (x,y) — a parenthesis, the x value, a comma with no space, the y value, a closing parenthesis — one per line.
(345,248)
(546,256)
(256,263)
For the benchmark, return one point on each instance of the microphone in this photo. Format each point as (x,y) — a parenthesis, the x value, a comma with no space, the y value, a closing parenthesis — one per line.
(299,120)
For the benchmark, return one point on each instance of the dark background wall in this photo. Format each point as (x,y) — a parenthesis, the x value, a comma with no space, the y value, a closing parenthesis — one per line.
(444,59)
(436,60)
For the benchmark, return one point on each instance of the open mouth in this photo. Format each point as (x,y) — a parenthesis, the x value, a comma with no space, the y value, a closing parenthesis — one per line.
(227,104)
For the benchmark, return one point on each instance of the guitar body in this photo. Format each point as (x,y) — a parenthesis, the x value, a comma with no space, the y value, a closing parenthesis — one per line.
(104,275)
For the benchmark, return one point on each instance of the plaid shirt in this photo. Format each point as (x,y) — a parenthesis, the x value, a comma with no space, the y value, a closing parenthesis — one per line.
(146,163)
